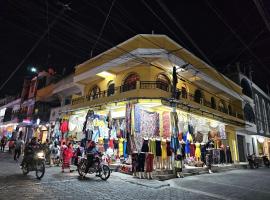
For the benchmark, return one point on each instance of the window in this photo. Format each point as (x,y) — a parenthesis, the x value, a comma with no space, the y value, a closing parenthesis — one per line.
(94,93)
(163,82)
(198,96)
(111,87)
(249,113)
(213,103)
(265,117)
(130,82)
(246,87)
(258,112)
(184,92)
(221,106)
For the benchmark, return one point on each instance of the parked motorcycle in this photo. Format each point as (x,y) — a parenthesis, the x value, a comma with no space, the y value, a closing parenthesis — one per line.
(36,164)
(253,161)
(93,164)
(266,161)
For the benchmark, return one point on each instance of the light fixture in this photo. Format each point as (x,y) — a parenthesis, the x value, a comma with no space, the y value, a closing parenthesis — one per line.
(105,74)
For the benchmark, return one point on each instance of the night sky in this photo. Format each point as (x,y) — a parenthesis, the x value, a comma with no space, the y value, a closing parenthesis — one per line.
(225,31)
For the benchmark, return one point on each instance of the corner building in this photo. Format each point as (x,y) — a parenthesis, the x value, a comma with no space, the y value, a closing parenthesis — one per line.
(126,105)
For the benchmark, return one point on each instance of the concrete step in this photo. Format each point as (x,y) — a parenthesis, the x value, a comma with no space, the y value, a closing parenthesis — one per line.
(164,177)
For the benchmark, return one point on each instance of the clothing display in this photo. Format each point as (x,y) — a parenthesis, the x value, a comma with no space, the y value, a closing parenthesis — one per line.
(198,150)
(166,124)
(222,156)
(134,161)
(116,144)
(111,145)
(158,148)
(106,144)
(152,146)
(203,152)
(168,148)
(149,162)
(192,149)
(164,149)
(64,127)
(141,162)
(125,149)
(121,146)
(145,147)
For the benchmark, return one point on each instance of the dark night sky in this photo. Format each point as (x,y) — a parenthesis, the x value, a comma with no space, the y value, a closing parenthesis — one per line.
(71,39)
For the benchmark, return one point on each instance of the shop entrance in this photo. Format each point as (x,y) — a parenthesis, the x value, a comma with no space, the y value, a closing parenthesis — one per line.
(241,150)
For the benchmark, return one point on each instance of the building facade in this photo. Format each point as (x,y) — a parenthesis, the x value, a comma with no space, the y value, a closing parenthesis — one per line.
(127,93)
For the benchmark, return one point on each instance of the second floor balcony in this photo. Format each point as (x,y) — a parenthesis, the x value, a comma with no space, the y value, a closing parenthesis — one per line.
(151,90)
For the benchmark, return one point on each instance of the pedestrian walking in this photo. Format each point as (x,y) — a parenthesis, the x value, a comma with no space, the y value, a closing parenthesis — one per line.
(67,155)
(55,152)
(18,148)
(3,143)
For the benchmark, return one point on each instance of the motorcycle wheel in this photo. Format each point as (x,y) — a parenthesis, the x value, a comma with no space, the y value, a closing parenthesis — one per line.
(81,169)
(25,170)
(105,172)
(40,170)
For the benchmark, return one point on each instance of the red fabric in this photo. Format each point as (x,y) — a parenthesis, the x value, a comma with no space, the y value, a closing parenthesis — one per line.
(64,127)
(67,155)
(149,162)
(111,145)
(192,150)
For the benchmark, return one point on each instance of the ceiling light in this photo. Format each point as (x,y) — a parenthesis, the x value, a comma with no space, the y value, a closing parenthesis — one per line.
(105,74)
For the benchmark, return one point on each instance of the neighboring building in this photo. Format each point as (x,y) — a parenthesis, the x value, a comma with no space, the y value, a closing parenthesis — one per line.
(254,138)
(136,77)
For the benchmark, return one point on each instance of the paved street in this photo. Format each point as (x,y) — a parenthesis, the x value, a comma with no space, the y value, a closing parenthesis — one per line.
(237,184)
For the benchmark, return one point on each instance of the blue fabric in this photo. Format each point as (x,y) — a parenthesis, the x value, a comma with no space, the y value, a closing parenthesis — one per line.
(137,120)
(125,149)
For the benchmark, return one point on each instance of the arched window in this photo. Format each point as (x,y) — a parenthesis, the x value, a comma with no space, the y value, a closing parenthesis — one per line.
(213,103)
(163,82)
(184,92)
(198,96)
(230,109)
(265,117)
(111,87)
(130,82)
(249,113)
(222,106)
(258,113)
(95,92)
(246,87)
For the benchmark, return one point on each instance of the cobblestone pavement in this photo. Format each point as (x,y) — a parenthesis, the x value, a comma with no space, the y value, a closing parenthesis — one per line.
(237,184)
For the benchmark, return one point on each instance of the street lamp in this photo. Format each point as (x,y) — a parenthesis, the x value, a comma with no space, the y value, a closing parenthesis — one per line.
(33,69)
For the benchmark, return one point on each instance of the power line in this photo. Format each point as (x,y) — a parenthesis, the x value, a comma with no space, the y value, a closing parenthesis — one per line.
(102,28)
(31,50)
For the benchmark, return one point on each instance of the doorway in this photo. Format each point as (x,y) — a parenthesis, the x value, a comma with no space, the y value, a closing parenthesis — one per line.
(241,148)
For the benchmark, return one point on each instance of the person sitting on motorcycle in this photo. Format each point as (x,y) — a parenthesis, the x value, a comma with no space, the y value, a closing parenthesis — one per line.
(91,152)
(30,150)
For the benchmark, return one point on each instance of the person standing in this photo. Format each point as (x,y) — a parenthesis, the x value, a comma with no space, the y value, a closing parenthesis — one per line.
(67,155)
(55,152)
(18,148)
(3,143)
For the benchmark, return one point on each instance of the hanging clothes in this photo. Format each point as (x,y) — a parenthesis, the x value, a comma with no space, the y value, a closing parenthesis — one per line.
(141,162)
(145,146)
(166,124)
(121,146)
(125,149)
(158,148)
(168,148)
(228,155)
(164,149)
(152,146)
(203,153)
(149,162)
(134,160)
(198,150)
(192,150)
(64,127)
(111,143)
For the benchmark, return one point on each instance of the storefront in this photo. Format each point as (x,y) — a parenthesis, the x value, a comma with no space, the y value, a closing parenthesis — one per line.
(147,130)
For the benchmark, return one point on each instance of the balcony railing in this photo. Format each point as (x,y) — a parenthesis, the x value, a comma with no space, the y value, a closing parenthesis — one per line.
(152,85)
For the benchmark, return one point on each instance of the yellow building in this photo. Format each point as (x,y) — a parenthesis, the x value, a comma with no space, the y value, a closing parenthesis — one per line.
(139,71)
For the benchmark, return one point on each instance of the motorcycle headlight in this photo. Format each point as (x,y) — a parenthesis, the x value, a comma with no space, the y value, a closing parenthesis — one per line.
(40,155)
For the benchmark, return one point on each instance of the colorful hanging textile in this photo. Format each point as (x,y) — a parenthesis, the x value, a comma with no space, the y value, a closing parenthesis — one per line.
(128,117)
(166,124)
(137,120)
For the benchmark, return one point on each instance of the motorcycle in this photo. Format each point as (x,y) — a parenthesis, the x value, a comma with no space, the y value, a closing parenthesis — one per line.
(97,166)
(36,164)
(266,161)
(253,161)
